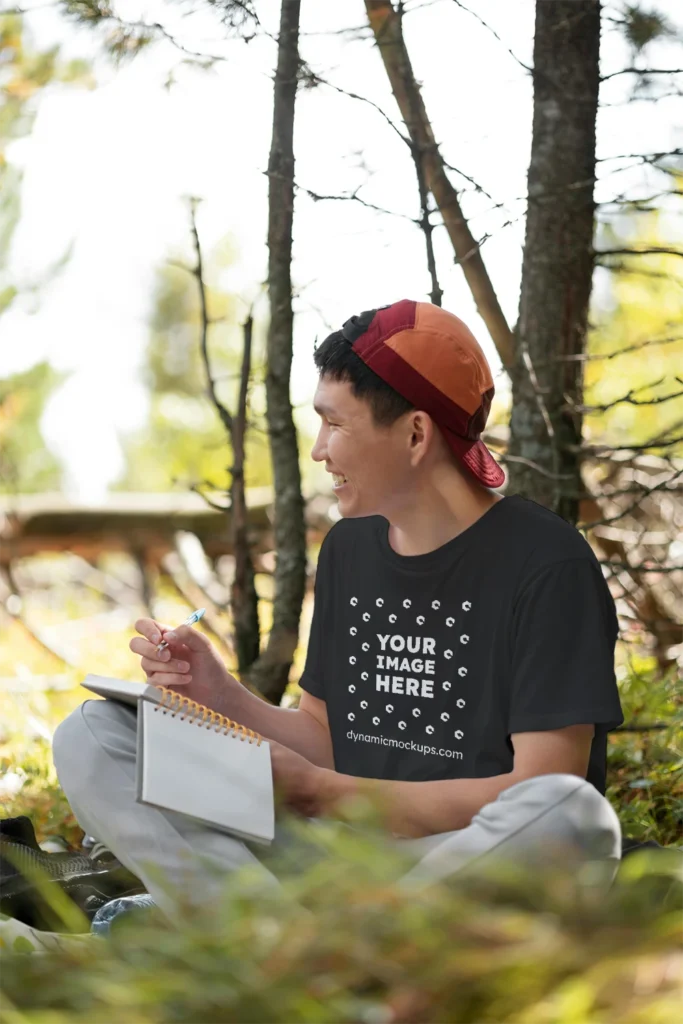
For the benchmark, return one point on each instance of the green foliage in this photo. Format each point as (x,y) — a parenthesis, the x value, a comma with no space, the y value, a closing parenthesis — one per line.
(645,769)
(25,74)
(344,942)
(636,344)
(127,41)
(41,797)
(90,11)
(26,465)
(643,27)
(184,442)
(122,39)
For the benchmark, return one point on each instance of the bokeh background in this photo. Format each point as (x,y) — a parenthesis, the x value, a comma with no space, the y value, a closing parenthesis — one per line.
(121,127)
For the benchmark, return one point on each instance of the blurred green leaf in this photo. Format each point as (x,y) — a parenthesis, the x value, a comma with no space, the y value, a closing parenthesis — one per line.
(644,26)
(344,943)
(26,464)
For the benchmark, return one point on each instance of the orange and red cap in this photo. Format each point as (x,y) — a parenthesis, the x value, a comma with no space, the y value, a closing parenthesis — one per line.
(433,360)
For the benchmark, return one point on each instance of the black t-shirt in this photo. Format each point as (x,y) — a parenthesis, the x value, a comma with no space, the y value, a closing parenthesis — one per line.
(429,663)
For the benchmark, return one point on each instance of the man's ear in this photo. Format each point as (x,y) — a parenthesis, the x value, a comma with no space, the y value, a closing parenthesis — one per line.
(421,433)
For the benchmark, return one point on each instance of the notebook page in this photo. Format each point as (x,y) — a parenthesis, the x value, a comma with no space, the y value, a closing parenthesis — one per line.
(223,781)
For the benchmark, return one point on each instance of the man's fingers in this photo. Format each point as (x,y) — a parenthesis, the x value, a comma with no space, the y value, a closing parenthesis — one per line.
(150,665)
(151,629)
(169,679)
(148,650)
(143,647)
(194,640)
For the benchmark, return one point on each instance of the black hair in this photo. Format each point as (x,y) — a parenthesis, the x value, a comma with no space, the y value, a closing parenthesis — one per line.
(336,360)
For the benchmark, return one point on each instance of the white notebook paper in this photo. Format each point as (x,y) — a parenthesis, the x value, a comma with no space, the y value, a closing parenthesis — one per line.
(195,763)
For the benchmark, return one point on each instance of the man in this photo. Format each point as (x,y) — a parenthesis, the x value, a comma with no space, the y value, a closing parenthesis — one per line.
(460,664)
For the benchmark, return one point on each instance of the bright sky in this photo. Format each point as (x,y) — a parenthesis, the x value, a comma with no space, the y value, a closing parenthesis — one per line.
(105,172)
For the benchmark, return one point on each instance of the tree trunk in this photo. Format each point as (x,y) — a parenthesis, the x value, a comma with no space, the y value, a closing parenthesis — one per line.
(243,596)
(388,31)
(270,673)
(244,599)
(558,263)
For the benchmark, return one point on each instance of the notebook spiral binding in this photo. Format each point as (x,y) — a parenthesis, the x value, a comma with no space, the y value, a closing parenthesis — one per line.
(201,715)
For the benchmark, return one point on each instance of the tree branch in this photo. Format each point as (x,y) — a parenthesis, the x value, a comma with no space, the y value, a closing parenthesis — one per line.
(477,187)
(386,26)
(493,32)
(198,274)
(642,71)
(534,465)
(245,375)
(630,400)
(661,486)
(626,269)
(653,250)
(354,197)
(427,228)
(608,449)
(139,32)
(673,94)
(636,204)
(640,568)
(212,504)
(313,78)
(594,357)
(642,157)
(540,401)
(243,596)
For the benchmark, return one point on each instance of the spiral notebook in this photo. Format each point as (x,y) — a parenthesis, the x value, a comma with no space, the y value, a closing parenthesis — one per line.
(196,762)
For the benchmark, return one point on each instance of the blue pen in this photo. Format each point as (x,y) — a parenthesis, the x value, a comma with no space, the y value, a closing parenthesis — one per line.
(189,621)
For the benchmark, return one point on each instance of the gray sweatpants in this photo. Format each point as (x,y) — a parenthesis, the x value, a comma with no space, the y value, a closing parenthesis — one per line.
(95,750)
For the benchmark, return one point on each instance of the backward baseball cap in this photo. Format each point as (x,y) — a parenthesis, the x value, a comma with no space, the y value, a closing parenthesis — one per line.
(431,358)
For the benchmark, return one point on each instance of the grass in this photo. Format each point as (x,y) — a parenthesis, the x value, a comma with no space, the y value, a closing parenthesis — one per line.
(345,943)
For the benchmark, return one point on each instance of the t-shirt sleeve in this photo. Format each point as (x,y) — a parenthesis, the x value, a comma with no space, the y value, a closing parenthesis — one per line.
(564,631)
(313,678)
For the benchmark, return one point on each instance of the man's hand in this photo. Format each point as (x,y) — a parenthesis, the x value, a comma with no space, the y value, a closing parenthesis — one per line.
(190,664)
(299,782)
(192,667)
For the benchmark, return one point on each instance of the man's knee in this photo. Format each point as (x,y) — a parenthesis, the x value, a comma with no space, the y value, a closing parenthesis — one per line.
(73,747)
(87,737)
(574,810)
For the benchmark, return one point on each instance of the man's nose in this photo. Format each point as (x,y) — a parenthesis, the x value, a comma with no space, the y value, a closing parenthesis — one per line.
(318,452)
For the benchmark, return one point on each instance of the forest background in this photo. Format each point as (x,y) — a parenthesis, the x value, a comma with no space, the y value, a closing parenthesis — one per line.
(184,183)
(191,194)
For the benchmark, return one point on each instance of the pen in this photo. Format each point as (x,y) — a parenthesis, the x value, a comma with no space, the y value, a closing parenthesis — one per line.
(189,621)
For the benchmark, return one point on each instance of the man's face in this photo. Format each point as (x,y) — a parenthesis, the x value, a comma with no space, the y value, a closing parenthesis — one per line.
(370,464)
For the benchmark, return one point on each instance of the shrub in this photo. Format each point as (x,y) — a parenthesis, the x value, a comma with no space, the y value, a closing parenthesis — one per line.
(345,942)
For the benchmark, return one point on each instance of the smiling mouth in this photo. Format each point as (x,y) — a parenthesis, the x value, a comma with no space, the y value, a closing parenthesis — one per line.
(338,480)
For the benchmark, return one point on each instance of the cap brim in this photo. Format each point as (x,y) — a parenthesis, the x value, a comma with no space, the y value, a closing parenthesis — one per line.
(476,457)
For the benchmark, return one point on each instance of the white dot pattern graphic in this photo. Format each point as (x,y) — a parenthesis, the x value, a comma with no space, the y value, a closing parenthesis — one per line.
(403,663)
